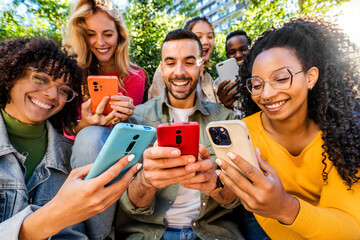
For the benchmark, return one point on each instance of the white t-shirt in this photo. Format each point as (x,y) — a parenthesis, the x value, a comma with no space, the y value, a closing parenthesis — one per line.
(187,203)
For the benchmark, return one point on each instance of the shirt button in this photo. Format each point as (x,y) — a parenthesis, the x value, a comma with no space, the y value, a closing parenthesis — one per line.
(194,224)
(155,237)
(204,203)
(169,202)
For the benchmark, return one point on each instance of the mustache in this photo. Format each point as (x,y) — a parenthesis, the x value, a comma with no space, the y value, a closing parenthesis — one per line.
(180,78)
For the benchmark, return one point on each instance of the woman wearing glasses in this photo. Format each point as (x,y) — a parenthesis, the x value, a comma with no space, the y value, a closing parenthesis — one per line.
(39,196)
(301,96)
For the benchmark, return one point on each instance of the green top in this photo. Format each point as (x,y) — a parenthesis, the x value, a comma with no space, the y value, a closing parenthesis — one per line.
(29,140)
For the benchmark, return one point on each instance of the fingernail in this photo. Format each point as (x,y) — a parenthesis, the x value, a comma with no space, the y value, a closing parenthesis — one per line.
(218,171)
(131,157)
(139,166)
(175,153)
(191,160)
(218,162)
(231,155)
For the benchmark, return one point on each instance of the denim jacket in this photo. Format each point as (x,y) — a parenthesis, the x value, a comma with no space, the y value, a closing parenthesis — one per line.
(19,199)
(213,221)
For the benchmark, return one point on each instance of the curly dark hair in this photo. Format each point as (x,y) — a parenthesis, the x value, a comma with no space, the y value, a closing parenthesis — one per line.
(237,33)
(45,56)
(333,103)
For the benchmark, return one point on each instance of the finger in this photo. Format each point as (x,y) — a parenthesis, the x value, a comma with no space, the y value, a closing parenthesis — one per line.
(80,172)
(236,177)
(165,163)
(100,108)
(121,98)
(201,177)
(222,85)
(166,174)
(228,182)
(248,169)
(264,165)
(120,117)
(123,110)
(205,165)
(230,87)
(113,171)
(161,152)
(204,152)
(125,180)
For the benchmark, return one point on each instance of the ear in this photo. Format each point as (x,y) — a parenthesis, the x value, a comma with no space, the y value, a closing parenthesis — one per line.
(312,76)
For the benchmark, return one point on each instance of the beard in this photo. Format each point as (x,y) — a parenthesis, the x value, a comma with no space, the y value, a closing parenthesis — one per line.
(181,95)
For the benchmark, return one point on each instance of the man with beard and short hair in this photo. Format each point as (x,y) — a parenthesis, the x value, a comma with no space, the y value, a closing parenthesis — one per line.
(173,196)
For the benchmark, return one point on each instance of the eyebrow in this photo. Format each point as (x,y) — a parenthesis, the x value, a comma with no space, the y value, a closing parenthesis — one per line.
(285,67)
(107,30)
(186,58)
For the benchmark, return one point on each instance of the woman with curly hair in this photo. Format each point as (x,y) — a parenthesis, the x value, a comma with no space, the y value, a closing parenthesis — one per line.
(300,93)
(39,196)
(97,35)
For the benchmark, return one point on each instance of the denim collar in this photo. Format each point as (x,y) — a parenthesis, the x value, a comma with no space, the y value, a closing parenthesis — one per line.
(164,105)
(54,157)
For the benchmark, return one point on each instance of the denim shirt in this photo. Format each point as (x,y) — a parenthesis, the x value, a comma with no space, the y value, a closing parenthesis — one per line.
(19,199)
(148,222)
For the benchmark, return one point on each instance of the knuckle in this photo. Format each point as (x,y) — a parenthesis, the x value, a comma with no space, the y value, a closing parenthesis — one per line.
(250,172)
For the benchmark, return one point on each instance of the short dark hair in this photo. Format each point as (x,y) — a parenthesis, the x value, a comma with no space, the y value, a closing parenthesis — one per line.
(44,55)
(236,33)
(180,34)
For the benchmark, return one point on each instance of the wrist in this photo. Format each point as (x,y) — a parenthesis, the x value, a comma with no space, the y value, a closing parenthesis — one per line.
(290,211)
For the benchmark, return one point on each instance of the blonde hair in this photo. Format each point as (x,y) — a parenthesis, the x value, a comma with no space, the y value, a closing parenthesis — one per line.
(76,41)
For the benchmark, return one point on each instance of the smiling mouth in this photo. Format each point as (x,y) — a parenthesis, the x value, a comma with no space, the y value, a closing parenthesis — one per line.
(275,105)
(102,50)
(205,52)
(41,104)
(180,83)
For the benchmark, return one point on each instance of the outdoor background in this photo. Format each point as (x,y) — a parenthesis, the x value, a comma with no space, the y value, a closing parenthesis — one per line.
(148,21)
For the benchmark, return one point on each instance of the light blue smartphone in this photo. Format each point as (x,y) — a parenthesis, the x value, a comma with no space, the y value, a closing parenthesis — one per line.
(124,139)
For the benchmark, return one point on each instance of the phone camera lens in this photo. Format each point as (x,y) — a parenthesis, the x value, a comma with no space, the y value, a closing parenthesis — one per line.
(213,131)
(95,90)
(217,141)
(178,131)
(95,83)
(136,137)
(223,136)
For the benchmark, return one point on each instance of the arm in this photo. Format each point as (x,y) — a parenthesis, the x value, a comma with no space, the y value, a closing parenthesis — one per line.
(205,179)
(135,87)
(91,198)
(286,215)
(162,166)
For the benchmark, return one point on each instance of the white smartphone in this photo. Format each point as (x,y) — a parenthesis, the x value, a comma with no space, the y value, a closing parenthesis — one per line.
(231,135)
(228,69)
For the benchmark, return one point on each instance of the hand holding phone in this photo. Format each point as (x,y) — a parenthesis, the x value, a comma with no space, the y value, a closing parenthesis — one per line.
(182,135)
(123,140)
(99,87)
(231,136)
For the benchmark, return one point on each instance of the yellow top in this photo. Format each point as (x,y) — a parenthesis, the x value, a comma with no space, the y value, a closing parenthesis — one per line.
(327,210)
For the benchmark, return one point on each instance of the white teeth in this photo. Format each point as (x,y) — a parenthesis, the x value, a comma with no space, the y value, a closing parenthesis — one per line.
(41,104)
(103,50)
(180,83)
(275,105)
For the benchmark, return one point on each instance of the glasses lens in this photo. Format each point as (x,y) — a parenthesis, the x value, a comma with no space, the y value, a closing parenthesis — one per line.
(255,85)
(281,79)
(40,80)
(66,92)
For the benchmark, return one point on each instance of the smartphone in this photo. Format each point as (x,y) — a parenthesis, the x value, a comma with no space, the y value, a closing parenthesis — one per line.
(231,135)
(182,135)
(124,139)
(99,87)
(228,69)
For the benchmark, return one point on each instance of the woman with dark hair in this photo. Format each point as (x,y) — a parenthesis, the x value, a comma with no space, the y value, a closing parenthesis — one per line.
(40,94)
(205,31)
(300,93)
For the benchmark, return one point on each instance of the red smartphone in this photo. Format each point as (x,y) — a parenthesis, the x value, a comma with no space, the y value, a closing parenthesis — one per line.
(99,87)
(182,135)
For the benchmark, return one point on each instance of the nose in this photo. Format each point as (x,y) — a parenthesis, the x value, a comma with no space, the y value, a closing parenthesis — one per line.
(204,40)
(239,55)
(268,91)
(100,40)
(179,70)
(52,92)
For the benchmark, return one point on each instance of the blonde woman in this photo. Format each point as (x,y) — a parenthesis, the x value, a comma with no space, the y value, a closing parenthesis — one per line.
(97,35)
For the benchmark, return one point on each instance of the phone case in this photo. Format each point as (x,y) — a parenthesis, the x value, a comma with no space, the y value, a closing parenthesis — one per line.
(99,87)
(124,139)
(228,69)
(182,135)
(231,135)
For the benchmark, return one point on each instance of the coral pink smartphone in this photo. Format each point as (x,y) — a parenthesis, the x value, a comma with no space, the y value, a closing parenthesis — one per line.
(99,87)
(182,135)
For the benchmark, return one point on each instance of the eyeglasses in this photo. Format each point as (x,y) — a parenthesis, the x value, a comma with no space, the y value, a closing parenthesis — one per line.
(42,81)
(280,80)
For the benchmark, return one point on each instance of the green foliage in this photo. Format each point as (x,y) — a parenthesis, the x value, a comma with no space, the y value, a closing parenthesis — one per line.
(33,17)
(148,23)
